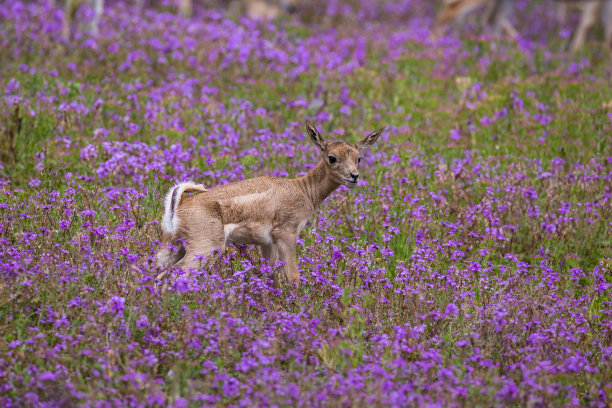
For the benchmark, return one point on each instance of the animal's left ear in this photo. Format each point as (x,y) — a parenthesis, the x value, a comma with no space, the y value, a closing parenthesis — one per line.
(316,137)
(369,140)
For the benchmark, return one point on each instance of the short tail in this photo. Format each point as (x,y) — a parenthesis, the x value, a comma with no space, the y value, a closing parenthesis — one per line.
(173,199)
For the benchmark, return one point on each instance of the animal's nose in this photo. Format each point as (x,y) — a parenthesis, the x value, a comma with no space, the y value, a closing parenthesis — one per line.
(289,8)
(355,176)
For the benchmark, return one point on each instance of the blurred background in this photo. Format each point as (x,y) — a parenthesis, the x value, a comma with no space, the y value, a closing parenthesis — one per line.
(539,20)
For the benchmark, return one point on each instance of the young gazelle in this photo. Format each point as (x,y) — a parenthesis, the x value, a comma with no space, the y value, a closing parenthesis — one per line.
(266,211)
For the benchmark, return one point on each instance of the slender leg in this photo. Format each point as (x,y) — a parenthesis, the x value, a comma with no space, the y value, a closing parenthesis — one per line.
(489,12)
(194,251)
(287,250)
(204,235)
(171,251)
(186,8)
(562,11)
(455,10)
(98,6)
(499,17)
(588,18)
(67,23)
(165,257)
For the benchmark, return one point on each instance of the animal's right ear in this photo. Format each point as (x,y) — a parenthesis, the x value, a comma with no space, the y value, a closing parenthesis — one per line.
(316,137)
(369,140)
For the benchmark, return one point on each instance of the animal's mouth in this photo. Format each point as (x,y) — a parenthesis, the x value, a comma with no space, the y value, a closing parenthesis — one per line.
(350,183)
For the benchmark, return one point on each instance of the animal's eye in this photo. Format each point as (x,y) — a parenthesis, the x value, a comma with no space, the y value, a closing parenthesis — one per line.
(332,159)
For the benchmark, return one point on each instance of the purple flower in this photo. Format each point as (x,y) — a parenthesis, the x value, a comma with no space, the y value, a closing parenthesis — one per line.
(47,376)
(89,152)
(142,322)
(116,305)
(455,135)
(451,310)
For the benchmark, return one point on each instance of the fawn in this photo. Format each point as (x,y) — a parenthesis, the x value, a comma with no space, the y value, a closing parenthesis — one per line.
(266,211)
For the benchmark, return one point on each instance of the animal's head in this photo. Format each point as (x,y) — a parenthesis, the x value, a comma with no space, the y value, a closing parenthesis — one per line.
(341,158)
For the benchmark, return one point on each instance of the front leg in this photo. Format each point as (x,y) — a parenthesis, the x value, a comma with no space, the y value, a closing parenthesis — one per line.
(287,252)
(94,25)
(588,18)
(68,17)
(499,17)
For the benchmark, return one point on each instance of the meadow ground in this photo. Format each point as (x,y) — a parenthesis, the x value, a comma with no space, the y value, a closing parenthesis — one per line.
(470,267)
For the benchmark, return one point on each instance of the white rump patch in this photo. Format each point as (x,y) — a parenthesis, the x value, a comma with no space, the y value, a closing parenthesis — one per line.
(169,222)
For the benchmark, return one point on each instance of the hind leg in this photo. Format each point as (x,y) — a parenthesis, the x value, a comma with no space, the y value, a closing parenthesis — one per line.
(170,254)
(69,11)
(588,18)
(204,235)
(171,251)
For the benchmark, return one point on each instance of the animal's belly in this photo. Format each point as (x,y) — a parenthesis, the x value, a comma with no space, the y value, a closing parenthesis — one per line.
(248,233)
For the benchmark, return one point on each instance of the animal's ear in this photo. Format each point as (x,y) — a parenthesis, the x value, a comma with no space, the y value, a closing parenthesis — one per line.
(369,140)
(316,137)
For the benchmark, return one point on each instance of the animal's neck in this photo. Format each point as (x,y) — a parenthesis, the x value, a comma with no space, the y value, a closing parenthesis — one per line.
(317,184)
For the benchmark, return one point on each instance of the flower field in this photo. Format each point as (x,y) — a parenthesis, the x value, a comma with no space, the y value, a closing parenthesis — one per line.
(470,267)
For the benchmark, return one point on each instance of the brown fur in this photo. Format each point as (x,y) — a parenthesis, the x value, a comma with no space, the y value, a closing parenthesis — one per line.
(266,211)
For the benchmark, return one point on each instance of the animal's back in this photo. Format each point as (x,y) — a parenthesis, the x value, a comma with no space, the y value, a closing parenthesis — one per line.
(240,188)
(262,198)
